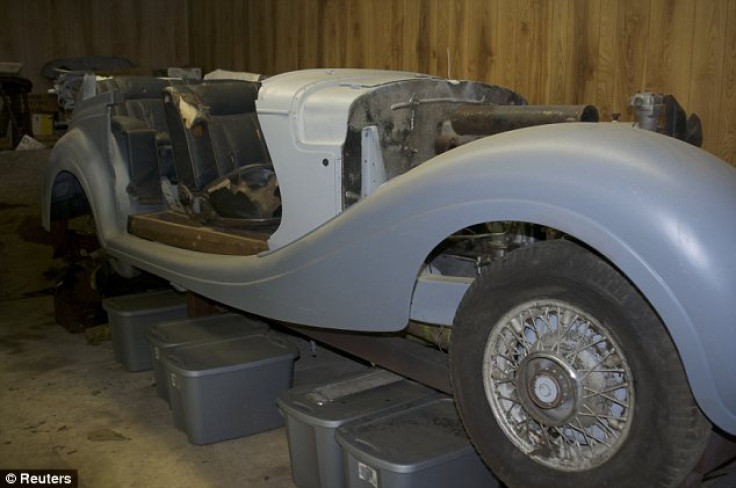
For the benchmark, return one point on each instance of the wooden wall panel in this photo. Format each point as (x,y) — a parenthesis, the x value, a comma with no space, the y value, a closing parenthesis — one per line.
(435,17)
(632,35)
(308,34)
(457,39)
(608,52)
(552,51)
(532,44)
(482,39)
(726,143)
(503,69)
(707,67)
(151,33)
(334,35)
(587,37)
(562,78)
(11,31)
(396,51)
(416,36)
(670,50)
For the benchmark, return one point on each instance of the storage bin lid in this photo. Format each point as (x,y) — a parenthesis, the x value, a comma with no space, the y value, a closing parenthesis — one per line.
(350,397)
(234,354)
(145,303)
(409,440)
(203,329)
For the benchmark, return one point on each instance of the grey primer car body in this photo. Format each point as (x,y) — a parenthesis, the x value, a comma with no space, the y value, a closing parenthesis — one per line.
(356,230)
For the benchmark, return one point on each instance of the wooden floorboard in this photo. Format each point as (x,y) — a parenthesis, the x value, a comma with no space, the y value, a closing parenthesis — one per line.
(180,231)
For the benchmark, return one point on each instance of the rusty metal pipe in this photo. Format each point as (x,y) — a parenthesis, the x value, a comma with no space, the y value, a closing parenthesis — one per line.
(492,119)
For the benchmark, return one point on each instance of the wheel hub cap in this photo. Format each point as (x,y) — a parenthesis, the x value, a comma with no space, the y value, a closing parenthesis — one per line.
(548,388)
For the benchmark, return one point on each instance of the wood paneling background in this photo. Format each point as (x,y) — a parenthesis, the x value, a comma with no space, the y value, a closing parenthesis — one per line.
(151,33)
(552,51)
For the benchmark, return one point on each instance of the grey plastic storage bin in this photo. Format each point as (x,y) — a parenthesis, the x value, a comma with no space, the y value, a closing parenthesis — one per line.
(210,328)
(131,316)
(313,414)
(423,446)
(227,389)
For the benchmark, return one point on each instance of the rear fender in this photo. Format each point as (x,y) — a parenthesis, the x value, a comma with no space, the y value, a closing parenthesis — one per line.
(89,154)
(76,156)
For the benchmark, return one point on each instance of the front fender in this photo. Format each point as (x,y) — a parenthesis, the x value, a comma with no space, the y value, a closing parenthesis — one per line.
(658,209)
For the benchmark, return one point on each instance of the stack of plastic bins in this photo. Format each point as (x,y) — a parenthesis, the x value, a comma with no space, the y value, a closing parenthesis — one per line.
(210,328)
(313,414)
(423,446)
(226,389)
(131,316)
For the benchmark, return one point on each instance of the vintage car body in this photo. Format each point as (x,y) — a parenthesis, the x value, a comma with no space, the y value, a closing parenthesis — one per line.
(354,255)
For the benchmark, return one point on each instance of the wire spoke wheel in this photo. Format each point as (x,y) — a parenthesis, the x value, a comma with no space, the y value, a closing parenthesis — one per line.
(564,376)
(558,384)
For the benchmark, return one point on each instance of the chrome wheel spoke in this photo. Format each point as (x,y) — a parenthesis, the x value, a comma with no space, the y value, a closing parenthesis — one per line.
(607,390)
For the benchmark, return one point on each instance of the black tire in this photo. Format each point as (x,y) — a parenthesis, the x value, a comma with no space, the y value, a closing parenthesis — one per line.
(652,442)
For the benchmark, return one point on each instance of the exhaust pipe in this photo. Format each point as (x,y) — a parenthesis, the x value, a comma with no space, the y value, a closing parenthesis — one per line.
(485,120)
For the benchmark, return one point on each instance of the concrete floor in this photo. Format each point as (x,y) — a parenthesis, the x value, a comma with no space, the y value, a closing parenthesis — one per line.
(66,404)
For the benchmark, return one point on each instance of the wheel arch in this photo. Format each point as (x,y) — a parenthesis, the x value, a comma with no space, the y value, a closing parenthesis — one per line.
(701,368)
(67,199)
(637,199)
(78,173)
